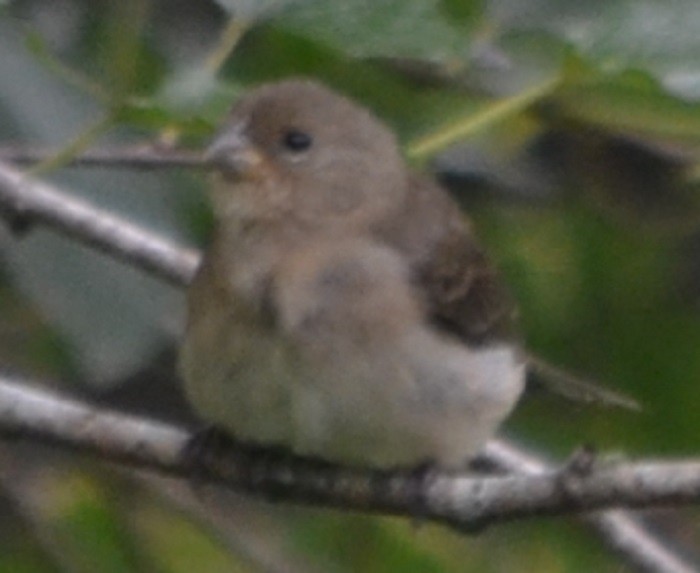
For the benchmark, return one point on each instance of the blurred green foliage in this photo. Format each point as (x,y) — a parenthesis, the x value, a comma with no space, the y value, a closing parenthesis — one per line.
(569,130)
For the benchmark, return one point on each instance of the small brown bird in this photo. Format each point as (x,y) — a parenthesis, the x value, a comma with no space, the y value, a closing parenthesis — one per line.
(344,309)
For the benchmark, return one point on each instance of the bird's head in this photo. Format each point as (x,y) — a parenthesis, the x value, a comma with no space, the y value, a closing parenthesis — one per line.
(298,149)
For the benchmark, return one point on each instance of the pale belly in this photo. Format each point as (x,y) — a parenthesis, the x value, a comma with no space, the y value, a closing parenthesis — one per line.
(423,401)
(239,379)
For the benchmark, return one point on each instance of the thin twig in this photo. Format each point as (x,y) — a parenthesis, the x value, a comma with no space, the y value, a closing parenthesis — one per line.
(123,157)
(51,206)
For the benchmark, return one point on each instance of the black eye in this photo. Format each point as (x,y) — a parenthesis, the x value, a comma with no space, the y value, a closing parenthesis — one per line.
(297,140)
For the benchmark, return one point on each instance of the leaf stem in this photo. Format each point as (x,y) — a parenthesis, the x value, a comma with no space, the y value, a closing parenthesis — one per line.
(65,72)
(79,143)
(228,41)
(495,112)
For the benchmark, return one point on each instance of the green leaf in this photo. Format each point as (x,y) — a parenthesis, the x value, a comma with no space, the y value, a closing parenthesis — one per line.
(409,111)
(370,28)
(631,101)
(658,37)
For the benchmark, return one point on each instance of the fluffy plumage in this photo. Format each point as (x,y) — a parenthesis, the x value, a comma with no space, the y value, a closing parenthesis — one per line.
(343,308)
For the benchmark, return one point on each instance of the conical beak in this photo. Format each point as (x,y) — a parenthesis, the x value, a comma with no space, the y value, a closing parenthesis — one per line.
(234,154)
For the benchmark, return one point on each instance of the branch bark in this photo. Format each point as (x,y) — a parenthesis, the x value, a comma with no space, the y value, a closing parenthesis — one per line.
(463,501)
(621,532)
(121,239)
(32,202)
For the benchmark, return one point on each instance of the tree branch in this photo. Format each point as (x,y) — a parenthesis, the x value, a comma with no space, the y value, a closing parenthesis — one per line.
(121,239)
(463,501)
(32,201)
(621,532)
(125,157)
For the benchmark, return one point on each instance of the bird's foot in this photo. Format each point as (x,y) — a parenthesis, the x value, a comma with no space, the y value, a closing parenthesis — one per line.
(581,462)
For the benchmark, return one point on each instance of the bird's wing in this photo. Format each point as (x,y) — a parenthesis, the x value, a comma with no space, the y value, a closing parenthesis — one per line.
(463,290)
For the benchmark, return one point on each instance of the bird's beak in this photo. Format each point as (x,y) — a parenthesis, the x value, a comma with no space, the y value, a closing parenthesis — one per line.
(234,154)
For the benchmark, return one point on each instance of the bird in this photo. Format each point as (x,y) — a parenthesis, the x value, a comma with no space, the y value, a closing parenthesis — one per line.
(344,308)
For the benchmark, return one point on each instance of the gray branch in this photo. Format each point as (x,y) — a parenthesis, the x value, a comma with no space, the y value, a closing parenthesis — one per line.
(32,201)
(156,446)
(463,501)
(123,157)
(621,532)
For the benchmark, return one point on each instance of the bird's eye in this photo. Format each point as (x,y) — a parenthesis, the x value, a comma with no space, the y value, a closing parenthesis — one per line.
(295,140)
